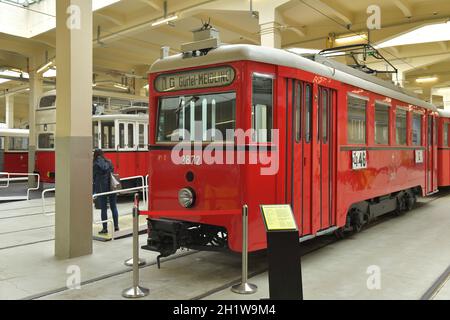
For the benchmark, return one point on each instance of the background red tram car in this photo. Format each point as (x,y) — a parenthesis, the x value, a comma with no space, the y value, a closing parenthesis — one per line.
(119,126)
(351,146)
(14,150)
(443,149)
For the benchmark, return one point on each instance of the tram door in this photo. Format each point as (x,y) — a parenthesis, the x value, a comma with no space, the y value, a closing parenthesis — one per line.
(430,153)
(310,154)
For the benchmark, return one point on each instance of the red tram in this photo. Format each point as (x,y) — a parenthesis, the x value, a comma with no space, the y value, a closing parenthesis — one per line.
(14,150)
(444,149)
(350,146)
(119,126)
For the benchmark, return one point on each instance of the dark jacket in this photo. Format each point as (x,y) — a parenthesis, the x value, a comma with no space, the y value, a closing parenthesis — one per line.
(102,175)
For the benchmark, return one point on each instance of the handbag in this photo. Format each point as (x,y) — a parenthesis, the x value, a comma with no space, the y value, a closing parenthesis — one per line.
(115,183)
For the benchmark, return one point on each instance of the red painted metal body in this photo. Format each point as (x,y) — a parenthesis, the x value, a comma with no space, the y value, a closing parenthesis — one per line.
(16,162)
(316,178)
(126,164)
(443,152)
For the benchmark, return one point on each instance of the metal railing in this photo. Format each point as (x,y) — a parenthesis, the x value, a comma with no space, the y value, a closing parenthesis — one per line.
(22,177)
(144,183)
(43,202)
(143,188)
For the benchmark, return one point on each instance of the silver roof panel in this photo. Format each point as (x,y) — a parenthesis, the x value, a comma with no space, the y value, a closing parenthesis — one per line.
(229,53)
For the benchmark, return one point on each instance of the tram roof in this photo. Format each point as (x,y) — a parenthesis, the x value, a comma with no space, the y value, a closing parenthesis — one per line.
(120,116)
(105,94)
(324,67)
(14,132)
(444,113)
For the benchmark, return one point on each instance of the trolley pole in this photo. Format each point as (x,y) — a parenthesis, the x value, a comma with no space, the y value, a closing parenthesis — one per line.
(244,287)
(135,291)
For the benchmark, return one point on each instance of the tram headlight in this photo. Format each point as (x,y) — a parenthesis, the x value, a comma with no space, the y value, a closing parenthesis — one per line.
(186,197)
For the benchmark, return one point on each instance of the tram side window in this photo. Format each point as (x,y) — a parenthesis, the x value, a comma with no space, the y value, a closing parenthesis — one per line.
(400,124)
(142,136)
(18,144)
(356,120)
(46,141)
(417,130)
(262,108)
(95,135)
(308,113)
(121,135)
(325,107)
(381,124)
(130,135)
(445,140)
(298,115)
(108,135)
(47,102)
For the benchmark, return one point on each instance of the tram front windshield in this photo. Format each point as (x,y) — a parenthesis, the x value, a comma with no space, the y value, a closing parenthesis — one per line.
(209,117)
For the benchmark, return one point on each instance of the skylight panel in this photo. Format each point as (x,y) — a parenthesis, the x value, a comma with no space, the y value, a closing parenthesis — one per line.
(426,34)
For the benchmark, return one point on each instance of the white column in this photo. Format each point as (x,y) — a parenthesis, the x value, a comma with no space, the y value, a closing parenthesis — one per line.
(73,221)
(9,101)
(270,22)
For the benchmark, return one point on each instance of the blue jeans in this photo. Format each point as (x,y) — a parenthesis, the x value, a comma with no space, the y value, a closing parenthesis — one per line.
(104,207)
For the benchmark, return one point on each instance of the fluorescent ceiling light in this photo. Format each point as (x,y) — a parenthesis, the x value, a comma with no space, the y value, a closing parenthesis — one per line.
(357,38)
(45,67)
(120,86)
(15,74)
(98,4)
(50,73)
(430,33)
(426,79)
(165,20)
(3,80)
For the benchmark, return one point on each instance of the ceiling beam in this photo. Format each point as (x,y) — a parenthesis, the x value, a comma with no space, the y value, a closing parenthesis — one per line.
(404,7)
(117,19)
(157,5)
(330,8)
(443,45)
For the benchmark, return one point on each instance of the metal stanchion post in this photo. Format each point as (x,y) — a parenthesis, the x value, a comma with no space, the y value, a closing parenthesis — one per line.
(129,262)
(244,287)
(135,291)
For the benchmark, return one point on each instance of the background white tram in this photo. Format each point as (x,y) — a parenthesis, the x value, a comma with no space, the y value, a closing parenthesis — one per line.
(119,128)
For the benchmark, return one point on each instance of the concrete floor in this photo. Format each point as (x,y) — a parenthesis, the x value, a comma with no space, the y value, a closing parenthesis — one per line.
(411,252)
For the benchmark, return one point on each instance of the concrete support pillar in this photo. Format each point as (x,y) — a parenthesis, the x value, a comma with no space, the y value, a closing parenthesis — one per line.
(446,101)
(427,94)
(270,35)
(73,230)
(270,22)
(36,83)
(9,115)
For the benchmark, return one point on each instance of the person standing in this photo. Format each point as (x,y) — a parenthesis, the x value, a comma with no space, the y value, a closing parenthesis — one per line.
(102,170)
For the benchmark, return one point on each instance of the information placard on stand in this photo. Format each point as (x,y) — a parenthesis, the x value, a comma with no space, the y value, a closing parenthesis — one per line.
(283,251)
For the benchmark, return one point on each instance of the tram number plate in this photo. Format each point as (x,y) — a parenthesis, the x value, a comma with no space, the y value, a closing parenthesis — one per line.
(359,159)
(419,156)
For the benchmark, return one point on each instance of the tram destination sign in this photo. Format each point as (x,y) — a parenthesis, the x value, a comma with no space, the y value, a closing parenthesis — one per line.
(197,79)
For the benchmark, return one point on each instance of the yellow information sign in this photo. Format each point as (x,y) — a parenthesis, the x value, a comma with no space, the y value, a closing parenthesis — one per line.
(278,217)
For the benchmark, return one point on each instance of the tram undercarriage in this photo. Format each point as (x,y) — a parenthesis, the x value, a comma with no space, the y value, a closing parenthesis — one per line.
(167,236)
